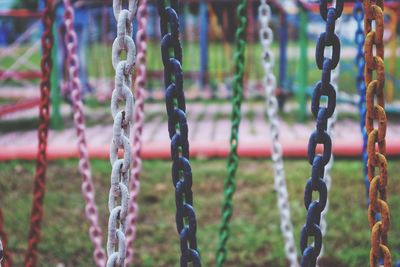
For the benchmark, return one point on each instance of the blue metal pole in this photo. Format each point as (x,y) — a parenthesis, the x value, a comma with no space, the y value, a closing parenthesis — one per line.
(203,43)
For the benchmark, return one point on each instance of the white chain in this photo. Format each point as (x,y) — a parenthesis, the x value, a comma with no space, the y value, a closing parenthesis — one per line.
(331,132)
(123,118)
(266,38)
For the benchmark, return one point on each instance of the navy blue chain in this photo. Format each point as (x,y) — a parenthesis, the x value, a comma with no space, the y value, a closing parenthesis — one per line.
(323,89)
(182,179)
(358,13)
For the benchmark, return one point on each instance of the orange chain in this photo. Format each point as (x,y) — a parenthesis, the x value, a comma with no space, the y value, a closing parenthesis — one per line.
(376,137)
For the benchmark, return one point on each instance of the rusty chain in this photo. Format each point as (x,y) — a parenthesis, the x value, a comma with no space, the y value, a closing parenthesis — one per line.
(140,83)
(44,118)
(74,83)
(123,118)
(378,210)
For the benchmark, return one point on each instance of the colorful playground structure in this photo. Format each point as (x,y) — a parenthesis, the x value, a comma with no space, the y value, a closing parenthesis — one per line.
(186,53)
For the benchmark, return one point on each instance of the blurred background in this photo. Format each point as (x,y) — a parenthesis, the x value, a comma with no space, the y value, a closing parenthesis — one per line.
(208,40)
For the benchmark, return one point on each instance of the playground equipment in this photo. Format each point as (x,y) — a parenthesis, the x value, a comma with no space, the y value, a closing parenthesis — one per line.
(116,243)
(378,210)
(233,160)
(266,39)
(178,133)
(317,183)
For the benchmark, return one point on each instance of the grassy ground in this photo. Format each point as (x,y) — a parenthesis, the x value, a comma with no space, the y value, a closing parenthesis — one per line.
(255,237)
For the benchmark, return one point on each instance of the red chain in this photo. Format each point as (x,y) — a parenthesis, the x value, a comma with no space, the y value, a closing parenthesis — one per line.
(44,117)
(7,260)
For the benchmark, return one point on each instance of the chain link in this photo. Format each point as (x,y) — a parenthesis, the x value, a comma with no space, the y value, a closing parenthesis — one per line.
(75,85)
(358,14)
(320,136)
(44,118)
(140,83)
(123,118)
(266,38)
(233,159)
(378,210)
(182,179)
(5,258)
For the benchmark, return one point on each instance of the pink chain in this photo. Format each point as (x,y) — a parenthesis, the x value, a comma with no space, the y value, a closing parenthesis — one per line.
(74,82)
(137,130)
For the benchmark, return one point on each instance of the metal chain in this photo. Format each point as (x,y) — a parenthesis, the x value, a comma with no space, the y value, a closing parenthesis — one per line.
(5,254)
(44,118)
(123,118)
(359,39)
(378,210)
(140,83)
(266,39)
(331,132)
(74,83)
(182,179)
(320,136)
(233,159)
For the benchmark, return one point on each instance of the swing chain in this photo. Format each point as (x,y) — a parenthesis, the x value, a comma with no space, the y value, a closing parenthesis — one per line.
(182,179)
(74,83)
(358,14)
(266,38)
(44,118)
(233,159)
(123,118)
(140,82)
(320,136)
(378,210)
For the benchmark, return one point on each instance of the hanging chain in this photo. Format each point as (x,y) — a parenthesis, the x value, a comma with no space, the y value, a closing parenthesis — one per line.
(5,255)
(44,117)
(182,179)
(378,210)
(123,118)
(358,13)
(331,132)
(233,160)
(75,86)
(140,83)
(266,38)
(320,136)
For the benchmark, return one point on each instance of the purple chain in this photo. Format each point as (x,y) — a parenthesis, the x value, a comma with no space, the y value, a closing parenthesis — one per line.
(74,83)
(137,130)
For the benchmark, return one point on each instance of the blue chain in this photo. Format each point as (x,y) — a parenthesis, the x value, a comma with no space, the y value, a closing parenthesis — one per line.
(320,136)
(182,179)
(358,13)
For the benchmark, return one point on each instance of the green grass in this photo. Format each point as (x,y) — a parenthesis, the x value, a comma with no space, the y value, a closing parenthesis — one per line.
(255,233)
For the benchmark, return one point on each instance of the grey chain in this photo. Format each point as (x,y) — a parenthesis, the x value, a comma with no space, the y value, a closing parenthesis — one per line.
(266,38)
(123,118)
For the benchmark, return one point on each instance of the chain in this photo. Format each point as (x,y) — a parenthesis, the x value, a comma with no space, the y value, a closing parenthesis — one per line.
(140,83)
(186,223)
(74,83)
(44,117)
(378,210)
(5,255)
(233,160)
(123,118)
(266,38)
(331,132)
(320,136)
(358,13)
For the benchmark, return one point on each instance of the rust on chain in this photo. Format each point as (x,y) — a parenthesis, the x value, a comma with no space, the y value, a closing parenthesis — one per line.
(376,125)
(44,117)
